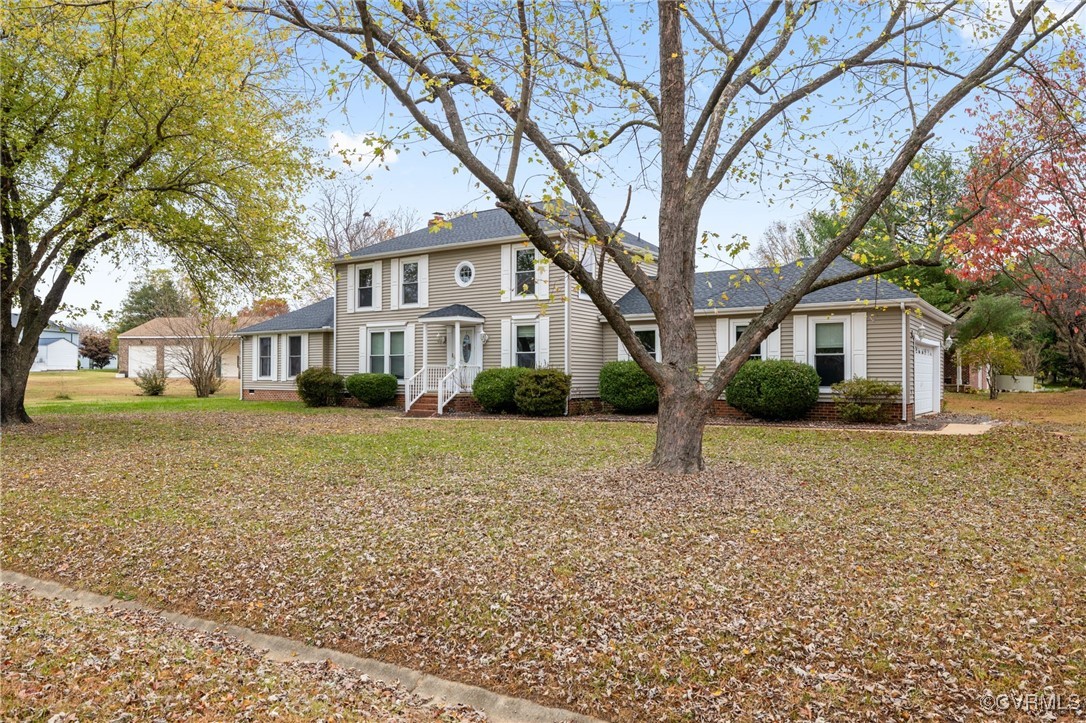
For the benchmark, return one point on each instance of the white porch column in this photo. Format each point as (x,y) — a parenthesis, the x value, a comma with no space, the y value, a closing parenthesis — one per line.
(425,345)
(459,349)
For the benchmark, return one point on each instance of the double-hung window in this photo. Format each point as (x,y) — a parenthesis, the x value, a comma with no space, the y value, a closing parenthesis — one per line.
(739,329)
(588,262)
(365,288)
(647,337)
(409,283)
(387,353)
(264,357)
(524,272)
(525,351)
(294,356)
(829,352)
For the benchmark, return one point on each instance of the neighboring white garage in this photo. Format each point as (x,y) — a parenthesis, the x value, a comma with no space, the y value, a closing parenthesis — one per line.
(926,377)
(142,358)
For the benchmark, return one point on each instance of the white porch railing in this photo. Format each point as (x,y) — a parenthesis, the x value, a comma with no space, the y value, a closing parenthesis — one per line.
(447,381)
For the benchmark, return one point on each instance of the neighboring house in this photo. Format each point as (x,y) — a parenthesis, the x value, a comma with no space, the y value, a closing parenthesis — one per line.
(436,306)
(157,343)
(58,348)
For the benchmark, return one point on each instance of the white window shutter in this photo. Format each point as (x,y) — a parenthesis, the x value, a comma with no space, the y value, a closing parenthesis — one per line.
(363,351)
(543,342)
(305,352)
(507,272)
(255,372)
(723,338)
(409,351)
(377,285)
(859,344)
(542,278)
(773,344)
(424,281)
(799,338)
(394,286)
(275,357)
(352,288)
(507,343)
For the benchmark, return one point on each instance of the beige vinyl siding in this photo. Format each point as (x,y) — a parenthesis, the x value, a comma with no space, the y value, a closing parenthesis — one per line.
(588,337)
(884,345)
(316,345)
(883,341)
(483,295)
(316,350)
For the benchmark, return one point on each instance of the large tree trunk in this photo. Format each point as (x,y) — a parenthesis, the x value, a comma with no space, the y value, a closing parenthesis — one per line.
(680,426)
(16,358)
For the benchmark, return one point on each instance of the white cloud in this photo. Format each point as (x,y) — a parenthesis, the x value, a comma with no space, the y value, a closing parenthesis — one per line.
(358,150)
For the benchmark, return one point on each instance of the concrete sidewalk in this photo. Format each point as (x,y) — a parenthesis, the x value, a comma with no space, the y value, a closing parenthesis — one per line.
(497,707)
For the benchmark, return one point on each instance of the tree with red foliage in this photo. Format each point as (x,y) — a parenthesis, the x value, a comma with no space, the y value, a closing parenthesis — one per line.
(266,308)
(1029,180)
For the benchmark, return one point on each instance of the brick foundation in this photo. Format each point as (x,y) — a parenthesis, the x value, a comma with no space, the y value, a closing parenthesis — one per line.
(270,395)
(822,412)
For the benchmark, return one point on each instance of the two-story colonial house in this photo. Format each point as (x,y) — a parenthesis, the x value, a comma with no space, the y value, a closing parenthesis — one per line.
(436,306)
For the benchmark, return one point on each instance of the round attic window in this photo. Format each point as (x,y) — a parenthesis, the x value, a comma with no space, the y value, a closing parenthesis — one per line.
(465,273)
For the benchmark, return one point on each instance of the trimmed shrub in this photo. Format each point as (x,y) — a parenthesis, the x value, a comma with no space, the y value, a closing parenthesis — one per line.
(152,383)
(373,390)
(494,388)
(865,400)
(542,392)
(320,387)
(626,387)
(774,389)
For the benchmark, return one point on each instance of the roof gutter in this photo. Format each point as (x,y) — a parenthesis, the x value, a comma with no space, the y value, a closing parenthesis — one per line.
(254,332)
(818,306)
(364,258)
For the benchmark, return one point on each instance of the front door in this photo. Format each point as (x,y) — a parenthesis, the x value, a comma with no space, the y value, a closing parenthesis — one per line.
(471,353)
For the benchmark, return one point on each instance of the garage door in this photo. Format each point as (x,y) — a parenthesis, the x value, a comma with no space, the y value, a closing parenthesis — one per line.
(174,357)
(141,358)
(924,379)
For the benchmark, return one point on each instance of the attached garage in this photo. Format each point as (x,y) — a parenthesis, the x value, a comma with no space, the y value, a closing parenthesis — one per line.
(926,377)
(142,358)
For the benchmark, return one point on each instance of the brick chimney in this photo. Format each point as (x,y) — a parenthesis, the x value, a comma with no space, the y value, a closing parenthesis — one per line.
(439,217)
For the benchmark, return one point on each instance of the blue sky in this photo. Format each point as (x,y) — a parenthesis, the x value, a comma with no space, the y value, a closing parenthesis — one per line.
(421,176)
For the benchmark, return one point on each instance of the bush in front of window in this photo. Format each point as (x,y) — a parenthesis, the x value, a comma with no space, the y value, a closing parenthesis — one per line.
(542,392)
(373,390)
(626,387)
(152,383)
(865,400)
(774,389)
(494,389)
(320,387)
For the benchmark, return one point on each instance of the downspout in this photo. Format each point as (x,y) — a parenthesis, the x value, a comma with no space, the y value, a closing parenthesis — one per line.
(904,368)
(335,317)
(565,342)
(241,368)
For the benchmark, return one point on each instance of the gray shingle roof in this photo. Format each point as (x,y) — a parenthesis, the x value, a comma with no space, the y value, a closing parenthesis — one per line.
(453,310)
(765,286)
(314,316)
(480,226)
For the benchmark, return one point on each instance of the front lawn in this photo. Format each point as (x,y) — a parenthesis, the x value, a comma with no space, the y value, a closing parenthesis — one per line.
(810,573)
(1063,408)
(117,665)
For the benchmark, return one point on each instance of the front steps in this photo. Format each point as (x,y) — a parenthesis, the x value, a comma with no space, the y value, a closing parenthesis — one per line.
(425,406)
